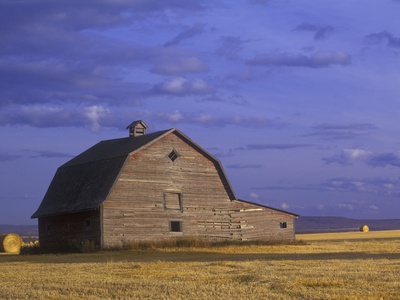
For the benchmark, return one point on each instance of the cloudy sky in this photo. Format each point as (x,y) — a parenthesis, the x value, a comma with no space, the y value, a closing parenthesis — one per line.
(299,99)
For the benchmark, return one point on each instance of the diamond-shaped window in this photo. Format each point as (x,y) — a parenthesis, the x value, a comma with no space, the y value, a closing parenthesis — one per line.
(173,155)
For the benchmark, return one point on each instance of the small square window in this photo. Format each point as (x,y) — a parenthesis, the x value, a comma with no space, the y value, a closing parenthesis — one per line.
(283,225)
(173,155)
(88,223)
(67,227)
(175,226)
(48,228)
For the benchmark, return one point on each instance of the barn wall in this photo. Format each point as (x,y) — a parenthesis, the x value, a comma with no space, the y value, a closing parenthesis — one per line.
(261,223)
(78,227)
(141,204)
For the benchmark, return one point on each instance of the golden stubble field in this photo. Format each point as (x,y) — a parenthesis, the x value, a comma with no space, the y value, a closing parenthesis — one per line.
(329,266)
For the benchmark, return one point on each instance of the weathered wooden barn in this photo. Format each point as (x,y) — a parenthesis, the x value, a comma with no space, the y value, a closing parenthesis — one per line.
(153,186)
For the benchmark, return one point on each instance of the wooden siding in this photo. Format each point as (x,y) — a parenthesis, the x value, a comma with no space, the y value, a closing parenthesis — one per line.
(261,223)
(56,229)
(136,208)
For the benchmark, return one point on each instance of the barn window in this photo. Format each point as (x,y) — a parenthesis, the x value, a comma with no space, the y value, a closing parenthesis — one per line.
(173,200)
(175,226)
(48,228)
(173,155)
(66,227)
(283,225)
(88,223)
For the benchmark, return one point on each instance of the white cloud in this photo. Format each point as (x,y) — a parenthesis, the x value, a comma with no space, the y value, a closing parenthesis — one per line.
(253,196)
(36,115)
(175,116)
(359,185)
(94,113)
(345,206)
(349,156)
(199,85)
(374,207)
(388,185)
(381,186)
(284,205)
(180,86)
(174,85)
(356,154)
(41,109)
(208,119)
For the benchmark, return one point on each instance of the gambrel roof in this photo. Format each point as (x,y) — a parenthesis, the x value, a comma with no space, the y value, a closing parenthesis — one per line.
(84,182)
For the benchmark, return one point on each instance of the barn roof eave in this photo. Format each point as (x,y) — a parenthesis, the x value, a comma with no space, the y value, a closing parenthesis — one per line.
(269,207)
(37,216)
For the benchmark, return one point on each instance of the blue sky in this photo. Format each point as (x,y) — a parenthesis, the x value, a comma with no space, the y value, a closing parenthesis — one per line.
(298,99)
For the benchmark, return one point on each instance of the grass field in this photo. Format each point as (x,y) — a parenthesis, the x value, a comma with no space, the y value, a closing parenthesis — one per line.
(329,266)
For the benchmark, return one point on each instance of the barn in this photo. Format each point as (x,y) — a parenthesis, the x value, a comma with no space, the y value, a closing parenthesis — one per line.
(151,186)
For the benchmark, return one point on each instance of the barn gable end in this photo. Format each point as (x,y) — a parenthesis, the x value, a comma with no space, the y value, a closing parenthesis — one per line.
(184,190)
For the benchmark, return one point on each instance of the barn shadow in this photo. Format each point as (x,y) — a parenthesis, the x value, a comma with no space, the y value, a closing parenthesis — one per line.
(195,257)
(242,257)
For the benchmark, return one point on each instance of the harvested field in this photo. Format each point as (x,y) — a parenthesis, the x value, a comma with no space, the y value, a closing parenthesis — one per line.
(353,235)
(328,267)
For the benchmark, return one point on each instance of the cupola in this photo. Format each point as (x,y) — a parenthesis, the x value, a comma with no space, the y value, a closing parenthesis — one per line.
(137,128)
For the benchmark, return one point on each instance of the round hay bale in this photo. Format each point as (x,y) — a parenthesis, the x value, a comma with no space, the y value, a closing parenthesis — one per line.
(364,228)
(10,243)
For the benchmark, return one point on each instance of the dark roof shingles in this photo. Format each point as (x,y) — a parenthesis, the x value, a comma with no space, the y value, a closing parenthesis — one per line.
(114,148)
(84,182)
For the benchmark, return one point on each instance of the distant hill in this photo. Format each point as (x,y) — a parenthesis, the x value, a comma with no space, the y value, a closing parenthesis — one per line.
(22,230)
(331,224)
(303,224)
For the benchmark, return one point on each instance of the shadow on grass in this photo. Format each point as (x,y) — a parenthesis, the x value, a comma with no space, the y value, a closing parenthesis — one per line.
(193,256)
